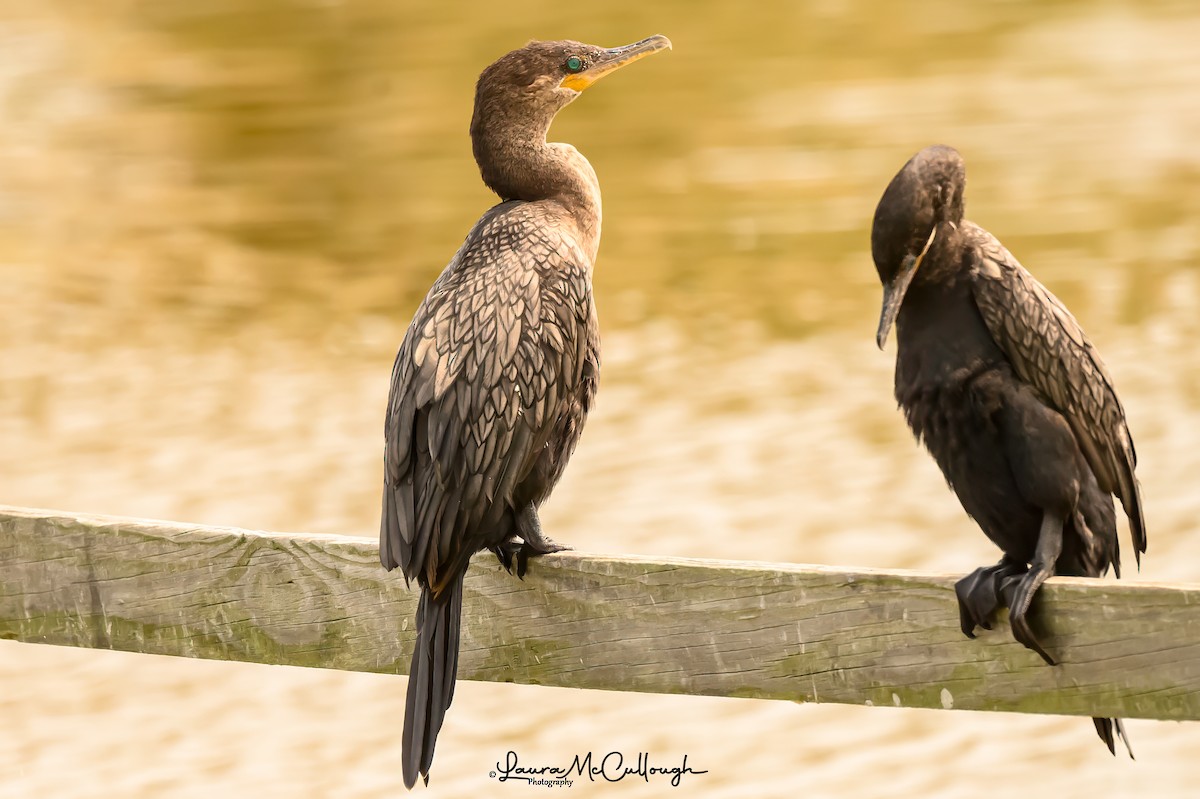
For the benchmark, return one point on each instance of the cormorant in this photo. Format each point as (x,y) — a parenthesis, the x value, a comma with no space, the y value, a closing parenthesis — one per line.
(497,371)
(998,380)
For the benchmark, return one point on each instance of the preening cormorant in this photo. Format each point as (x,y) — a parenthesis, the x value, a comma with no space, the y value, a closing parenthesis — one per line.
(497,371)
(1001,384)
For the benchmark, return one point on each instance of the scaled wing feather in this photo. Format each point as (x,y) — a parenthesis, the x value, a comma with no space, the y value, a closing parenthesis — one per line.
(1049,350)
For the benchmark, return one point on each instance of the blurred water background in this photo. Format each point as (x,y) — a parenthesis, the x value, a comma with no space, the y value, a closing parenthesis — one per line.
(217,218)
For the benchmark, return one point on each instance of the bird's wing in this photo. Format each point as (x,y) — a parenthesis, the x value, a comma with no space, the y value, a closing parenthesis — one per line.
(1049,350)
(476,388)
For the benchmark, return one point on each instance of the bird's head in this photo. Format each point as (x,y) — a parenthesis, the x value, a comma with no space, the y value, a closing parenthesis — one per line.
(534,82)
(924,196)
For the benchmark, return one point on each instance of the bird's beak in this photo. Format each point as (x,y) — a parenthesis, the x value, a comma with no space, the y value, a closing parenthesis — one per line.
(894,291)
(614,59)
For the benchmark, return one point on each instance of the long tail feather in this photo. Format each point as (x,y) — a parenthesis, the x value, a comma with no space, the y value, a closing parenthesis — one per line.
(1106,728)
(431,678)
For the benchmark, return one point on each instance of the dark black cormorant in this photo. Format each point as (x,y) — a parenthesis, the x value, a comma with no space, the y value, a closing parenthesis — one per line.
(998,380)
(498,369)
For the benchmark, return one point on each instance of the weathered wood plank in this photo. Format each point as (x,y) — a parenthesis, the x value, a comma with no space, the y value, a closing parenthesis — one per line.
(777,631)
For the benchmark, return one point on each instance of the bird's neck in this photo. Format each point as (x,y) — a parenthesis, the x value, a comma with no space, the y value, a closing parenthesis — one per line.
(942,265)
(519,164)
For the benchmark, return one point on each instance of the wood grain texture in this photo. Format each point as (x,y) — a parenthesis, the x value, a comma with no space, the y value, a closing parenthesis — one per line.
(776,631)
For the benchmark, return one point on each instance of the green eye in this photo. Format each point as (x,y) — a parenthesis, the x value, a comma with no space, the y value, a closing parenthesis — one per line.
(574,64)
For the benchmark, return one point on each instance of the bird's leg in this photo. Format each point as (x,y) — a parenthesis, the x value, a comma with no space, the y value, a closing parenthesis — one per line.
(1019,591)
(529,528)
(979,593)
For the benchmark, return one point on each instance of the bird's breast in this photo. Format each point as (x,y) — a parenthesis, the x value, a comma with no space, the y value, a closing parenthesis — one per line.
(959,422)
(941,338)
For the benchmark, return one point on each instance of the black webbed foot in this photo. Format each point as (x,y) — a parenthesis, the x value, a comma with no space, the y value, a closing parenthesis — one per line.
(979,594)
(515,552)
(1018,594)
(530,550)
(530,543)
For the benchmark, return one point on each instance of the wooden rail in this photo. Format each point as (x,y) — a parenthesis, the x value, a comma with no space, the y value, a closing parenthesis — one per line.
(776,631)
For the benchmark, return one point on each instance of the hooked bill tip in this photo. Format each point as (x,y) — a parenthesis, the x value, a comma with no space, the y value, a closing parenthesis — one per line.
(656,42)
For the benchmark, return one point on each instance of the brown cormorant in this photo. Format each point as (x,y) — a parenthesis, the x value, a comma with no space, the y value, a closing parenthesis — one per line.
(998,380)
(497,371)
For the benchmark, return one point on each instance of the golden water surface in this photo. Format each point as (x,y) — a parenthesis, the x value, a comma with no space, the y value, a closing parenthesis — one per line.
(216,219)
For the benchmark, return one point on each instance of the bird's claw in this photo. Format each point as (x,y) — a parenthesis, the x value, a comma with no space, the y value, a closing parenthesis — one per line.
(1018,594)
(505,551)
(1024,635)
